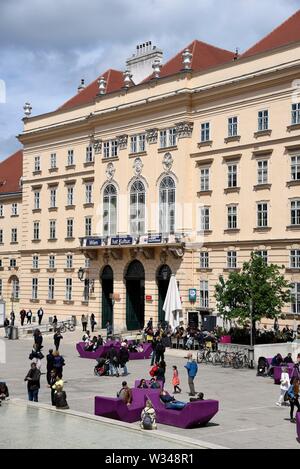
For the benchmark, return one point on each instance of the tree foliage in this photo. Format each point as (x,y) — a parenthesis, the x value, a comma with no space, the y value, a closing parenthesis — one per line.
(258,286)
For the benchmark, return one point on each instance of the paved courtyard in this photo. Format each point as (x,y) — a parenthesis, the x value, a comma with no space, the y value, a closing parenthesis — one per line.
(248,417)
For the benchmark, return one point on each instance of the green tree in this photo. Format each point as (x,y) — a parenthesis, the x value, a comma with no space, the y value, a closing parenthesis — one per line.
(258,291)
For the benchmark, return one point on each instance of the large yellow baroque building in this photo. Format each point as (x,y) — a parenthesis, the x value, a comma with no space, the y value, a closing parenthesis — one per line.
(182,167)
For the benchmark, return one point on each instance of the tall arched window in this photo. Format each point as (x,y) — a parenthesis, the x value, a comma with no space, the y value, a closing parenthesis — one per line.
(137,208)
(167,192)
(15,288)
(110,211)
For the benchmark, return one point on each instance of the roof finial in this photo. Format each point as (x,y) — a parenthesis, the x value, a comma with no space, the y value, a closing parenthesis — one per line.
(81,86)
(102,85)
(187,59)
(27,109)
(157,65)
(127,78)
(237,53)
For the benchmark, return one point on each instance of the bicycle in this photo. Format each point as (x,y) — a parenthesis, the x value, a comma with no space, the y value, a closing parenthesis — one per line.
(67,325)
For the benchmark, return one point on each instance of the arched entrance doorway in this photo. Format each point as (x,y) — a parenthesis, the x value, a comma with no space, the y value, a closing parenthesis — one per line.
(162,278)
(107,280)
(135,296)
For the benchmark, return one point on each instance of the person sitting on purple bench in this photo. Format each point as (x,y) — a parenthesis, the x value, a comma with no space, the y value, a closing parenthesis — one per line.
(170,401)
(143,384)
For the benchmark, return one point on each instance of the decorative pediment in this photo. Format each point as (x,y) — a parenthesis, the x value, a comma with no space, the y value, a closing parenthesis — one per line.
(122,141)
(184,129)
(152,135)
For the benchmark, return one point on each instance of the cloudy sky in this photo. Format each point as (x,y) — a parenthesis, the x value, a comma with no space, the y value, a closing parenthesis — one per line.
(47,46)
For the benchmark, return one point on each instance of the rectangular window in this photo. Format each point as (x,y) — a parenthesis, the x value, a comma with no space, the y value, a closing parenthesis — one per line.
(263,120)
(172,137)
(263,255)
(36,230)
(205,132)
(232,217)
(68,289)
(204,260)
(14,235)
(87,263)
(1,236)
(138,143)
(88,193)
(204,218)
(106,150)
(52,229)
(35,262)
(232,175)
(52,198)
(296,113)
(232,126)
(114,148)
(53,160)
(133,144)
(204,294)
(70,196)
(70,157)
(12,263)
(88,226)
(168,138)
(295,168)
(231,260)
(1,210)
(69,263)
(37,163)
(14,209)
(37,200)
(142,142)
(51,289)
(89,156)
(163,139)
(204,179)
(295,298)
(51,261)
(34,294)
(295,259)
(262,172)
(262,215)
(70,226)
(295,212)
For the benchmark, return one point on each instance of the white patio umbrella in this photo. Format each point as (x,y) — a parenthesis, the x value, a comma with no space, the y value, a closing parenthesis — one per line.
(172,305)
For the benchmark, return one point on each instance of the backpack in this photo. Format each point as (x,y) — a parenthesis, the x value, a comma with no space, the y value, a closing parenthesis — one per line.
(153,371)
(147,422)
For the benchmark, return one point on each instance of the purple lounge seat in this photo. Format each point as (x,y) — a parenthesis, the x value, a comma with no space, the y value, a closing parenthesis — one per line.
(137,382)
(298,424)
(193,414)
(278,370)
(115,408)
(92,355)
(102,351)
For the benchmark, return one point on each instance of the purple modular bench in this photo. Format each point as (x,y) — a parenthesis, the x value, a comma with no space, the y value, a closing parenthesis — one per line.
(102,351)
(137,382)
(298,425)
(278,370)
(193,414)
(115,408)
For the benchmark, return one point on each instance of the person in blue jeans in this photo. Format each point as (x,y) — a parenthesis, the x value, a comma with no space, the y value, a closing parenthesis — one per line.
(192,369)
(33,382)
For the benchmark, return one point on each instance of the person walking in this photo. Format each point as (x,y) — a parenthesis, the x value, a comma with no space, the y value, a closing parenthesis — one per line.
(12,318)
(93,322)
(84,322)
(57,338)
(123,358)
(40,315)
(58,364)
(284,385)
(54,323)
(50,364)
(38,340)
(36,356)
(22,316)
(33,383)
(161,373)
(176,380)
(192,369)
(159,350)
(293,395)
(29,316)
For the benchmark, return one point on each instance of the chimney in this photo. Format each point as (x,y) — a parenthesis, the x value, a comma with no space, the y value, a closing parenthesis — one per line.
(140,64)
(81,86)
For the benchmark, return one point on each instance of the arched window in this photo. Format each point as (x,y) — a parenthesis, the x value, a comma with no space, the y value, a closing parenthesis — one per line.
(110,211)
(15,288)
(137,208)
(167,192)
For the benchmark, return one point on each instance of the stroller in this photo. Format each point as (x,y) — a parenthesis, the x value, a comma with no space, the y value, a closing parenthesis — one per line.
(262,367)
(102,367)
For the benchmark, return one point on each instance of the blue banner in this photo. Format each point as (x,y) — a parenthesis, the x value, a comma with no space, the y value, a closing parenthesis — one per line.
(155,239)
(114,241)
(124,240)
(93,242)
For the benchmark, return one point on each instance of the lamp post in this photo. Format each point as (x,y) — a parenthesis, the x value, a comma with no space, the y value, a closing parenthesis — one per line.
(251,350)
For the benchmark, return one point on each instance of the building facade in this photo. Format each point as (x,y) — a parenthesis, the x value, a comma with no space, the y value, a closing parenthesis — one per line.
(185,172)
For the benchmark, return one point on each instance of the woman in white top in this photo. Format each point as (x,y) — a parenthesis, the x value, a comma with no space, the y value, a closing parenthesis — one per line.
(284,385)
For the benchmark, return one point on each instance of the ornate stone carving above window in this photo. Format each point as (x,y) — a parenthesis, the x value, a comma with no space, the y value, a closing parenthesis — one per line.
(110,171)
(138,166)
(122,141)
(167,162)
(97,144)
(152,135)
(184,129)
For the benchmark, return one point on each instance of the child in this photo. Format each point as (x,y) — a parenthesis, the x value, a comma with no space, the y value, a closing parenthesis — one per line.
(175,380)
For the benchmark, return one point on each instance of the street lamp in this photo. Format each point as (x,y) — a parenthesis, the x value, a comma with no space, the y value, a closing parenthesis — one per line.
(81,273)
(251,350)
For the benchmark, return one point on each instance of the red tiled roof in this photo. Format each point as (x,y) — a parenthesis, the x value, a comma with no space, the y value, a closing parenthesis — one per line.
(204,56)
(287,32)
(114,79)
(11,171)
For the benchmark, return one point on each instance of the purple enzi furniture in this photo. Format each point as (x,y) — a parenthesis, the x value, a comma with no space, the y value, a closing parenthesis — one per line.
(115,408)
(102,351)
(278,370)
(193,414)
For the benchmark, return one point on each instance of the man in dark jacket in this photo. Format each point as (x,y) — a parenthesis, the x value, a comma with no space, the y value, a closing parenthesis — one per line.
(159,350)
(57,338)
(123,358)
(50,363)
(192,369)
(38,339)
(22,316)
(33,382)
(112,356)
(40,315)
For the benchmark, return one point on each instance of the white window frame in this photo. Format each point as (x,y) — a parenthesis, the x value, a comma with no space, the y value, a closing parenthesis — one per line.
(34,288)
(37,200)
(233,126)
(205,179)
(295,113)
(14,209)
(88,226)
(69,287)
(89,193)
(70,160)
(295,212)
(262,211)
(295,259)
(52,229)
(204,260)
(89,154)
(295,298)
(232,217)
(110,212)
(37,163)
(205,132)
(295,168)
(51,288)
(231,259)
(205,218)
(70,227)
(262,172)
(36,230)
(53,194)
(14,235)
(35,261)
(69,261)
(51,261)
(204,294)
(70,196)
(232,175)
(53,161)
(263,120)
